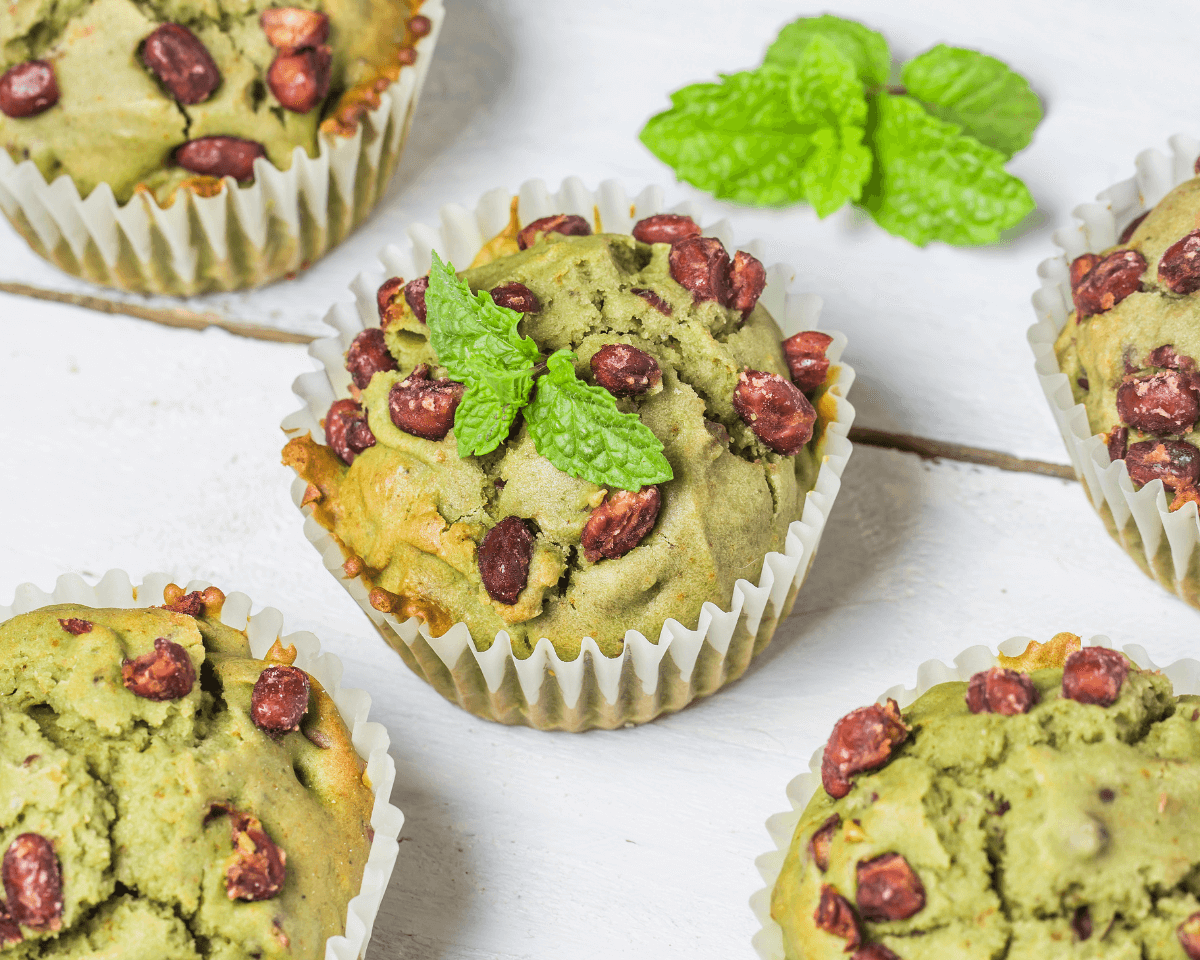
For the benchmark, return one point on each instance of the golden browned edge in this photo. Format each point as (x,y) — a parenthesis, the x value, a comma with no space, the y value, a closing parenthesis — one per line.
(1038,656)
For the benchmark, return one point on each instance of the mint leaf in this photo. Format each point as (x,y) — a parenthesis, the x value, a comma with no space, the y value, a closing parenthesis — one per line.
(979,93)
(933,183)
(471,336)
(578,428)
(771,137)
(863,47)
(485,415)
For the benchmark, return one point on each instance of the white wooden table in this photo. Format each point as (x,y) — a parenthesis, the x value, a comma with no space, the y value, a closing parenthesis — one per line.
(127,444)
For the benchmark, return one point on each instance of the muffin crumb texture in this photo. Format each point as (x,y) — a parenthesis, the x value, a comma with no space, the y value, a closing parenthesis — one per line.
(1021,815)
(166,795)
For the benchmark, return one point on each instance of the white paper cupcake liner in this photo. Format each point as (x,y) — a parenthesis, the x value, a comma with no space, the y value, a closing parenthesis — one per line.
(648,678)
(1161,542)
(243,237)
(768,941)
(370,740)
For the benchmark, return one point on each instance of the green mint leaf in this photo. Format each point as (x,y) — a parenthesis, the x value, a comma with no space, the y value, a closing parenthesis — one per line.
(486,414)
(578,428)
(979,93)
(864,48)
(933,183)
(771,137)
(471,336)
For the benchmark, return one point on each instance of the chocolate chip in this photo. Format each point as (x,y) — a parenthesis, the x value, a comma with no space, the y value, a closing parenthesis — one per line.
(835,915)
(424,407)
(1159,403)
(300,80)
(346,430)
(864,739)
(33,883)
(257,869)
(182,63)
(1131,226)
(1082,382)
(747,278)
(419,26)
(1109,282)
(568,225)
(165,673)
(279,699)
(504,558)
(1188,932)
(1165,356)
(665,228)
(1107,796)
(516,296)
(75,626)
(1094,675)
(1118,443)
(775,410)
(818,845)
(805,353)
(1174,462)
(28,89)
(620,523)
(652,298)
(888,889)
(1006,692)
(220,157)
(1081,923)
(701,266)
(367,356)
(414,296)
(407,56)
(625,371)
(1081,266)
(384,300)
(189,604)
(1179,266)
(289,29)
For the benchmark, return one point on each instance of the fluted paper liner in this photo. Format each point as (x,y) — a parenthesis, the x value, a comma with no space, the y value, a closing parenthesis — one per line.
(1162,543)
(768,941)
(262,629)
(648,678)
(244,236)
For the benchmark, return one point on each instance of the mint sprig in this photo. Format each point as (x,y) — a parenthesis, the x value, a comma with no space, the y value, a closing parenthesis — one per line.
(818,123)
(574,425)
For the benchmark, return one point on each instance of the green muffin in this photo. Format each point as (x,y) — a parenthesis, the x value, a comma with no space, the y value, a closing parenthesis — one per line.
(166,794)
(663,323)
(1046,813)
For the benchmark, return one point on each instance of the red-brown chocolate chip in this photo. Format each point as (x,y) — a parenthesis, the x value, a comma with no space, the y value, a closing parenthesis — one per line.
(165,673)
(279,699)
(818,845)
(367,356)
(863,739)
(190,604)
(620,523)
(835,915)
(1131,226)
(504,558)
(75,626)
(775,410)
(33,883)
(1188,932)
(385,297)
(1006,692)
(407,56)
(300,80)
(289,29)
(652,298)
(1165,356)
(625,371)
(220,157)
(10,933)
(1094,675)
(875,951)
(1174,462)
(1109,282)
(346,430)
(516,296)
(257,869)
(701,265)
(28,89)
(1118,443)
(1179,266)
(414,296)
(569,225)
(805,353)
(665,228)
(182,63)
(1160,403)
(888,889)
(747,278)
(1081,266)
(424,407)
(419,26)
(1081,923)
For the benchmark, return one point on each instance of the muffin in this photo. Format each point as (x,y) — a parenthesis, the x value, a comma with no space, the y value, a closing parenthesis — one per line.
(665,327)
(153,107)
(1025,812)
(171,795)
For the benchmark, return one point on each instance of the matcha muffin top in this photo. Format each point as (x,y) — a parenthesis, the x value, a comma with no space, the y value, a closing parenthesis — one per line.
(666,325)
(1047,813)
(1130,346)
(149,94)
(167,796)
